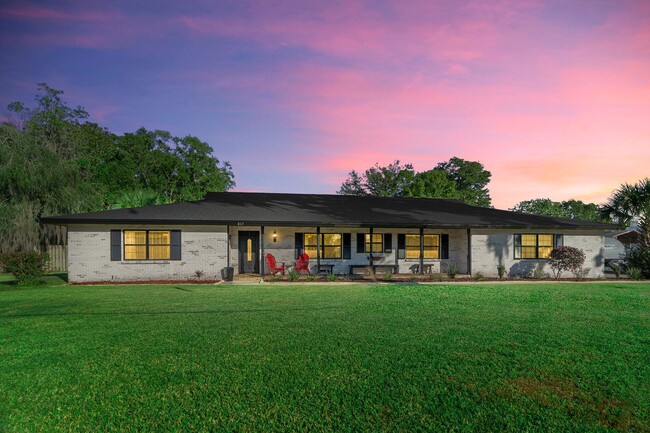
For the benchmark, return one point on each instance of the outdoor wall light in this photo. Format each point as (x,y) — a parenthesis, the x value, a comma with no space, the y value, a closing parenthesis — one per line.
(275,236)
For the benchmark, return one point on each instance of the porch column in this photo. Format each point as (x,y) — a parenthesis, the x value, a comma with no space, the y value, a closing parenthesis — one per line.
(421,250)
(317,250)
(370,255)
(227,246)
(262,249)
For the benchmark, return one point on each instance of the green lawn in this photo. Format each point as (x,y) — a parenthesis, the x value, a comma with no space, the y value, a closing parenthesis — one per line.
(515,357)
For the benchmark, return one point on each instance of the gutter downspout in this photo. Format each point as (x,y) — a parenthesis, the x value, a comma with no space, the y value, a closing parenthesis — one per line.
(469,251)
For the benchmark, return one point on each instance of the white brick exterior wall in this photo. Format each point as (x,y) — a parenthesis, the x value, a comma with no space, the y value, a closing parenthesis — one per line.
(205,248)
(489,247)
(89,257)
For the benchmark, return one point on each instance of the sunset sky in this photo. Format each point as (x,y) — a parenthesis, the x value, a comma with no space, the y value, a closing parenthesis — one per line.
(553,97)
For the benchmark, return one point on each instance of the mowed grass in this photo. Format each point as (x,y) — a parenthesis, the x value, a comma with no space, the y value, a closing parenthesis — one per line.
(541,357)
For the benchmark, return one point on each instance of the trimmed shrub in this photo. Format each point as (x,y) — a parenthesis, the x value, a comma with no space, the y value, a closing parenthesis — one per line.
(293,275)
(639,257)
(27,267)
(501,270)
(634,273)
(452,270)
(566,259)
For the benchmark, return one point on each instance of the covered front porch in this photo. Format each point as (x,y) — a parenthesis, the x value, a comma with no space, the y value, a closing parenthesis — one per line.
(345,250)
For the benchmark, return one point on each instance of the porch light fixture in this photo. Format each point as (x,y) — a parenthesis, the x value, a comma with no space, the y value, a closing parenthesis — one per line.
(275,236)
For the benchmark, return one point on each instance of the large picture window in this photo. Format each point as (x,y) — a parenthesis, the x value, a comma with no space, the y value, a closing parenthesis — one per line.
(377,243)
(535,245)
(147,245)
(331,245)
(431,246)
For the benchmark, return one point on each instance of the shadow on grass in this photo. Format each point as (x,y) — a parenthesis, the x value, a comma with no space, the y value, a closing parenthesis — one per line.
(8,282)
(161,313)
(183,289)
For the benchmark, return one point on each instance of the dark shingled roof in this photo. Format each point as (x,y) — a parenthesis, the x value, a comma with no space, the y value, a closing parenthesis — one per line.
(240,208)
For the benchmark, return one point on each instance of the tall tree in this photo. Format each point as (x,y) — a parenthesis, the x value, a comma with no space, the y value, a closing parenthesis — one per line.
(631,202)
(34,182)
(383,181)
(432,183)
(199,170)
(53,161)
(52,121)
(456,178)
(572,209)
(471,180)
(353,185)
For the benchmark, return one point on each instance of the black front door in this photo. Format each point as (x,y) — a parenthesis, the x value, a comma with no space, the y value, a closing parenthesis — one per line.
(249,246)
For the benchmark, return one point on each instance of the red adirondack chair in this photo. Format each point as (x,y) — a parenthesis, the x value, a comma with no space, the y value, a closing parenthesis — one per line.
(273,266)
(302,264)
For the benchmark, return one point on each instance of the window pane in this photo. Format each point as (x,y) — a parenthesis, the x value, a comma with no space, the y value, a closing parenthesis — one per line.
(431,253)
(545,240)
(333,239)
(431,240)
(528,252)
(310,239)
(159,238)
(545,252)
(160,252)
(332,253)
(377,242)
(133,252)
(135,237)
(413,241)
(529,240)
(412,246)
(310,251)
(412,253)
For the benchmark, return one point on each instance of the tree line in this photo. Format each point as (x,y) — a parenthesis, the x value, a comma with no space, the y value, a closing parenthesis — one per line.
(53,160)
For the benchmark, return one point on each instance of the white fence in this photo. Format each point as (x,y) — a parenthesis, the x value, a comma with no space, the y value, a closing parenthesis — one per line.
(58,258)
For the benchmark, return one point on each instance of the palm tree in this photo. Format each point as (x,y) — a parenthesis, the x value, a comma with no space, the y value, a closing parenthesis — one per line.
(631,202)
(137,198)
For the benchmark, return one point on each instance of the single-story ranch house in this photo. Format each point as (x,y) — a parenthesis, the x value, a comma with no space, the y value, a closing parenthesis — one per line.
(340,234)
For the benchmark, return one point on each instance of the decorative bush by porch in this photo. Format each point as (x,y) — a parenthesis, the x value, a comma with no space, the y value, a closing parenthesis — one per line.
(566,259)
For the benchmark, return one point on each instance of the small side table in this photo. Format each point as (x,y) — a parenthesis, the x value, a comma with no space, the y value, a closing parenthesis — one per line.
(327,269)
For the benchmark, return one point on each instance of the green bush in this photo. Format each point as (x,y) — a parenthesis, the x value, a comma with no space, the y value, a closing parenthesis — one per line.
(639,257)
(634,273)
(479,276)
(566,259)
(452,270)
(293,275)
(331,277)
(501,270)
(27,267)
